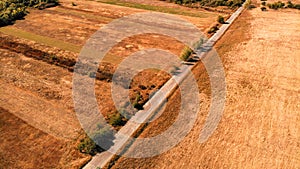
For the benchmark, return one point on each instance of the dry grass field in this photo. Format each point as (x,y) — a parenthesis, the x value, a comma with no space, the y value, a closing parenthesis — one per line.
(38,125)
(260,52)
(260,126)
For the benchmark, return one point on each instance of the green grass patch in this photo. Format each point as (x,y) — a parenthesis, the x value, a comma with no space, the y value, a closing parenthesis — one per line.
(176,11)
(40,39)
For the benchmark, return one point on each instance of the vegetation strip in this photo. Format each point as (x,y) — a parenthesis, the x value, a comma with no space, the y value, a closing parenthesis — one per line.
(28,51)
(176,11)
(40,39)
(64,62)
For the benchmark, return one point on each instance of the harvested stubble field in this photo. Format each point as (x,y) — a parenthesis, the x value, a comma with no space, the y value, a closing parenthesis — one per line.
(38,125)
(260,126)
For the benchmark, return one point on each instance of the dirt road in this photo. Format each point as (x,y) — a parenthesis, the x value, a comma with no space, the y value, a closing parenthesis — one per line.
(260,126)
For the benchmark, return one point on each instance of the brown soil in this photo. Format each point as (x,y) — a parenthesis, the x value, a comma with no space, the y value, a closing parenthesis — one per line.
(259,128)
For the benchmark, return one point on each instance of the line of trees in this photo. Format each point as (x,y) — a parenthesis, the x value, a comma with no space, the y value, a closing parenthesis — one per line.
(212,3)
(279,4)
(11,10)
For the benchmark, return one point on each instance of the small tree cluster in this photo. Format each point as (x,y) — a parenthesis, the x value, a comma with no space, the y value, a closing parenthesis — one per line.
(221,19)
(294,6)
(11,10)
(276,5)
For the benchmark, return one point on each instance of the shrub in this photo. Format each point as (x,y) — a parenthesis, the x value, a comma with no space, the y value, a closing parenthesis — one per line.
(87,146)
(263,3)
(136,103)
(100,136)
(249,5)
(297,6)
(185,53)
(117,120)
(74,4)
(263,8)
(291,5)
(221,19)
(276,5)
(103,136)
(213,29)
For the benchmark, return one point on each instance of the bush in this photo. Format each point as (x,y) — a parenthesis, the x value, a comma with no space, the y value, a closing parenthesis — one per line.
(221,19)
(294,6)
(263,8)
(249,5)
(99,136)
(103,136)
(276,5)
(263,3)
(185,53)
(213,29)
(74,4)
(117,120)
(290,4)
(136,103)
(87,146)
(297,6)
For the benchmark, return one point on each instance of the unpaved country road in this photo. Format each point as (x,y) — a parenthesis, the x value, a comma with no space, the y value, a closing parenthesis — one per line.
(261,122)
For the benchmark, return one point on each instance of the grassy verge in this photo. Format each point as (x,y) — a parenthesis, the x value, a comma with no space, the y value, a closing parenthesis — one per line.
(40,39)
(176,11)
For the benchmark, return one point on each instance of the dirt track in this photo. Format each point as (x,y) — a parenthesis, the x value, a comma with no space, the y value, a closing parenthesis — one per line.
(260,125)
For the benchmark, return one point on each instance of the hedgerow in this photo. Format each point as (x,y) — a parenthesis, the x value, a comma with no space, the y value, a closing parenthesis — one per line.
(213,3)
